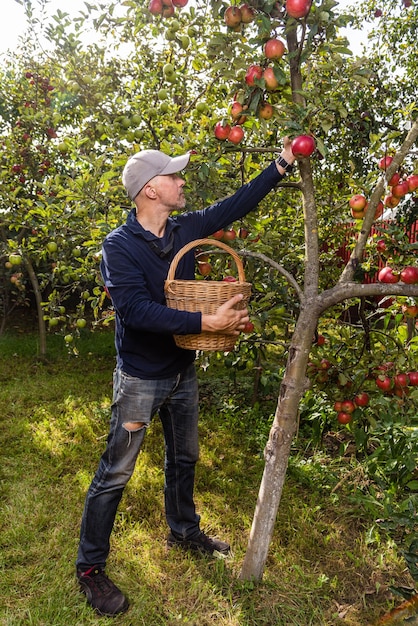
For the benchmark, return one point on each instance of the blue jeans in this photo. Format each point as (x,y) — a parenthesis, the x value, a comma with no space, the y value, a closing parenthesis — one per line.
(135,401)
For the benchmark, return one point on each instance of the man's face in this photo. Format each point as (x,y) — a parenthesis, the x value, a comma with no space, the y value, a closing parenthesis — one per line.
(169,190)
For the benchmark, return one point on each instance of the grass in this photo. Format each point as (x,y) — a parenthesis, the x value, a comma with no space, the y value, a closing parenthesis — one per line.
(322,567)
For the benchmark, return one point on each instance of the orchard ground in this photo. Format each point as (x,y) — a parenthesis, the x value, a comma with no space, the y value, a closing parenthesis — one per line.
(328,563)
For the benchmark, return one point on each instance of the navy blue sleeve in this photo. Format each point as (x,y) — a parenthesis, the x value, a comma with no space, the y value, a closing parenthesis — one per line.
(234,207)
(134,277)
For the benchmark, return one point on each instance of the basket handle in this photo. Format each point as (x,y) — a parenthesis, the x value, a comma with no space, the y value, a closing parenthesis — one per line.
(198,242)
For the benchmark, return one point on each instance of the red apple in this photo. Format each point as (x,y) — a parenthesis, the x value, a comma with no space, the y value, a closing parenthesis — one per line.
(413,378)
(243,232)
(270,79)
(254,72)
(274,49)
(232,16)
(391,201)
(412,181)
(358,202)
(298,8)
(357,215)
(381,246)
(344,418)
(236,112)
(229,235)
(236,134)
(348,406)
(337,406)
(385,162)
(155,7)
(303,146)
(265,111)
(229,279)
(395,179)
(219,234)
(222,131)
(409,275)
(379,210)
(385,367)
(387,275)
(249,327)
(179,4)
(247,13)
(400,190)
(384,382)
(362,399)
(401,380)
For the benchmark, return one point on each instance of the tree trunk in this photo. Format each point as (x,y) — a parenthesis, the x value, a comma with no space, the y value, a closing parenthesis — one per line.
(38,299)
(278,447)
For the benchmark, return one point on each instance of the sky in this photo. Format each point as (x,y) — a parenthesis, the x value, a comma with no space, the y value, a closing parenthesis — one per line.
(12,23)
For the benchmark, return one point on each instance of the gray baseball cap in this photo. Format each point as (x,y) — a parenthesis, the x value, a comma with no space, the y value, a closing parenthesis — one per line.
(144,165)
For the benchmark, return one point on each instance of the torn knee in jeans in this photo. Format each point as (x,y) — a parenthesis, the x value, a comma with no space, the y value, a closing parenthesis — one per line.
(133,426)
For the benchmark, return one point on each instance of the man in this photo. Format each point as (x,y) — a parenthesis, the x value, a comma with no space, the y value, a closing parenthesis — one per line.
(152,374)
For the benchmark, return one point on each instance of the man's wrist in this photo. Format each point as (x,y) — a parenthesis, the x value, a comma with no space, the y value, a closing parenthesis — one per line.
(282,162)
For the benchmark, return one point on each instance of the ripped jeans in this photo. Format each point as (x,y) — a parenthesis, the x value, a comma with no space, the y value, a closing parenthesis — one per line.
(135,401)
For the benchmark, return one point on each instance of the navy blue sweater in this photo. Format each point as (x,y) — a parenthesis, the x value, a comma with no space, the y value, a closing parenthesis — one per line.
(134,274)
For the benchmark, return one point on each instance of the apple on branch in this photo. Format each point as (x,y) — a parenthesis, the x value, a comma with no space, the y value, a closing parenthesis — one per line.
(236,111)
(265,111)
(270,79)
(388,275)
(401,189)
(384,162)
(155,7)
(412,181)
(253,73)
(247,13)
(303,146)
(222,131)
(358,206)
(298,8)
(236,134)
(232,16)
(391,201)
(274,49)
(409,275)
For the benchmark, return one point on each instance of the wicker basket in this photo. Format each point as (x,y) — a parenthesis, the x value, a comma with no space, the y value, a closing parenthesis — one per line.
(205,296)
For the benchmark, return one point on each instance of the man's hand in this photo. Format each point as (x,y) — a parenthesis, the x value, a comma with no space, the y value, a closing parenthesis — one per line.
(286,154)
(227,320)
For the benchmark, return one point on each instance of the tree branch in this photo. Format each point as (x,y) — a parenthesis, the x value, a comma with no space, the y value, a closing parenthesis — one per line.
(291,280)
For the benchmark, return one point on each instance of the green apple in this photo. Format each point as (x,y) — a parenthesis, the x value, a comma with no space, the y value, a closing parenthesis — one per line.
(81,322)
(15,259)
(162,94)
(51,246)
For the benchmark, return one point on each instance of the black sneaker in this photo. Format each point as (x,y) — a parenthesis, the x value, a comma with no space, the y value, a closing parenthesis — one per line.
(101,593)
(200,543)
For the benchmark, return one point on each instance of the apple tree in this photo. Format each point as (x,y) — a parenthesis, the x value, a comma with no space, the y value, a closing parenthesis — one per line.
(227,83)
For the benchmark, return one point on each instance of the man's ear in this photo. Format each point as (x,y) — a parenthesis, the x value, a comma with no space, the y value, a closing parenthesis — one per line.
(150,192)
